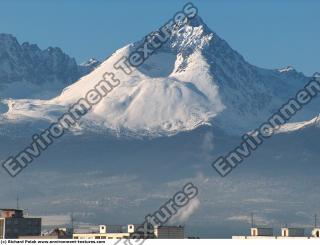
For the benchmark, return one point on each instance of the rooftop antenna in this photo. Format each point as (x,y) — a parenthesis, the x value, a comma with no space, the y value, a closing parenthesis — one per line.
(252,220)
(18,201)
(72,221)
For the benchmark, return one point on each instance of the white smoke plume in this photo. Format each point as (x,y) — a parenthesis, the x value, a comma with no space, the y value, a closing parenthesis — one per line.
(184,213)
(207,146)
(208,142)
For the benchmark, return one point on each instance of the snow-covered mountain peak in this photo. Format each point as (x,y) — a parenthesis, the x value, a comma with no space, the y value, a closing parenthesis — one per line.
(185,38)
(195,78)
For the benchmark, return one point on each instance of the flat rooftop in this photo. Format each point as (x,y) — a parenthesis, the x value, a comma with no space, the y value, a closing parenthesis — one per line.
(10,209)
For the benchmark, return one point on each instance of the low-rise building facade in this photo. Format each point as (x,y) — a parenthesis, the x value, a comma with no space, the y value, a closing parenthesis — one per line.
(14,225)
(169,232)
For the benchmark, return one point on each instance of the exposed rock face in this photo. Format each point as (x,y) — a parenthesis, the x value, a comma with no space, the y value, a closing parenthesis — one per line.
(27,63)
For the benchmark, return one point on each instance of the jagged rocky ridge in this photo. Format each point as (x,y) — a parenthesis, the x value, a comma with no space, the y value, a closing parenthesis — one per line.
(26,70)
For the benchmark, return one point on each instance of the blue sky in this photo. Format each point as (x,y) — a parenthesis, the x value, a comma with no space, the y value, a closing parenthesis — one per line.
(270,33)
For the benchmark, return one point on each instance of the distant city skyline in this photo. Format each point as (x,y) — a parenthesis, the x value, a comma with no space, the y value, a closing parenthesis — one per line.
(259,30)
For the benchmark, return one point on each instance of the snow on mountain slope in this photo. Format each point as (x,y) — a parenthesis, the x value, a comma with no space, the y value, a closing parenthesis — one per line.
(286,69)
(291,127)
(195,78)
(142,103)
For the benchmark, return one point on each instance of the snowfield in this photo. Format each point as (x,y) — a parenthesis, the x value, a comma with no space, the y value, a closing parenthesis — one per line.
(195,79)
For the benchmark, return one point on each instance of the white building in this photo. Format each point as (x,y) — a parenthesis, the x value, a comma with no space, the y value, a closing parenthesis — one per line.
(259,231)
(286,233)
(129,231)
(315,232)
(104,233)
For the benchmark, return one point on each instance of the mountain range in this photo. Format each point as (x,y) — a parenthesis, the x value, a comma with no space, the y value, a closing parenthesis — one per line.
(161,127)
(26,71)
